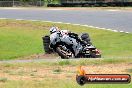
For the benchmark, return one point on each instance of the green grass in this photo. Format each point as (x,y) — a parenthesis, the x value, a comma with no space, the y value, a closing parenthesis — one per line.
(47,81)
(24,38)
(50,83)
(20,40)
(129,70)
(57,70)
(3,79)
(81,62)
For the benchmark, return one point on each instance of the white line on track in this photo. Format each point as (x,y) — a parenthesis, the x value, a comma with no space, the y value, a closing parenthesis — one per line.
(112,10)
(74,24)
(9,8)
(3,18)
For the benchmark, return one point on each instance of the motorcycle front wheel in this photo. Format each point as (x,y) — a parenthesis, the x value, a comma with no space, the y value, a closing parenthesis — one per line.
(64,53)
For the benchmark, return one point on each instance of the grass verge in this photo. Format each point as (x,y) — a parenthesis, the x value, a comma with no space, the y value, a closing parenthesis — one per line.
(49,83)
(23,38)
(58,75)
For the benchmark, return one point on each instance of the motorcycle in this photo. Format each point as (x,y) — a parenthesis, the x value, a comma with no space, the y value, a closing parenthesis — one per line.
(65,51)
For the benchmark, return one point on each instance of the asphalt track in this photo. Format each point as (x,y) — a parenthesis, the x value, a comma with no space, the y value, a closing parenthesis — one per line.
(110,19)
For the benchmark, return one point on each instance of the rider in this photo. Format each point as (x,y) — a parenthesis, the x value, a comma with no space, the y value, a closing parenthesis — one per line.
(62,35)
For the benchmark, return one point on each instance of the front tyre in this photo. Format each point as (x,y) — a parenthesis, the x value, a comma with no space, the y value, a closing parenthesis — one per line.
(64,53)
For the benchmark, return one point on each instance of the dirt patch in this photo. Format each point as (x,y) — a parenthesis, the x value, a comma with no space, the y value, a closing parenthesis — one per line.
(23,24)
(109,68)
(39,56)
(60,72)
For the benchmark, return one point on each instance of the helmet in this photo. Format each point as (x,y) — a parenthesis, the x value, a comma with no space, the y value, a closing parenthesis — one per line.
(53,30)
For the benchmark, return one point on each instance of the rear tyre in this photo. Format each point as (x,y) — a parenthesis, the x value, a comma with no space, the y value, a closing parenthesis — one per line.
(98,56)
(94,55)
(85,37)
